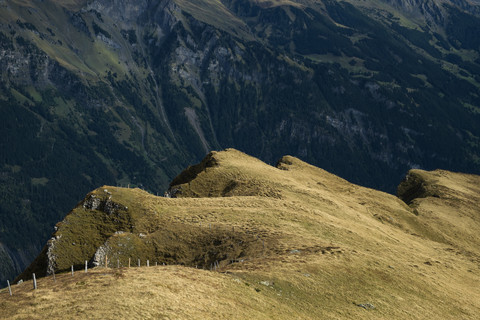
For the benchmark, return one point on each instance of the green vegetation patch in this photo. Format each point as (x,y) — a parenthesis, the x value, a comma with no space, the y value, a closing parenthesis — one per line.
(40,181)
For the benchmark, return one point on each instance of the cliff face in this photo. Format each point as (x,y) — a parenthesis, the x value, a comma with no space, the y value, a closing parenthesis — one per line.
(131,92)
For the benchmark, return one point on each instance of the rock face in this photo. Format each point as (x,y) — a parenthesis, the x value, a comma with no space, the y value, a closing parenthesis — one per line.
(132,92)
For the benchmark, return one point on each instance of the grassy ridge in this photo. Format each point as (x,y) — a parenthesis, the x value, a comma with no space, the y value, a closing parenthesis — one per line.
(315,247)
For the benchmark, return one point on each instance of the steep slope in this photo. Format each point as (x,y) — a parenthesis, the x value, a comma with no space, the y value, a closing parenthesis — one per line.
(447,205)
(130,92)
(291,240)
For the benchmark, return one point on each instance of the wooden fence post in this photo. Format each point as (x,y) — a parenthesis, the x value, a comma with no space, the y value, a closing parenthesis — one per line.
(148,263)
(139,262)
(118,263)
(129,262)
(86,266)
(34,282)
(72,270)
(9,288)
(106,261)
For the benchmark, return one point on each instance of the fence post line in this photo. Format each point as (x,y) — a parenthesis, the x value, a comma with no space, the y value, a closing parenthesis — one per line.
(9,288)
(34,282)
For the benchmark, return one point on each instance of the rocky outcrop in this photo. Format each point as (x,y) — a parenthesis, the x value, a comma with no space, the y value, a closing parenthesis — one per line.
(100,254)
(93,202)
(79,236)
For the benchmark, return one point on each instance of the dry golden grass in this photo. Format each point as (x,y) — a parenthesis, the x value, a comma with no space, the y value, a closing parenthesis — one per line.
(306,244)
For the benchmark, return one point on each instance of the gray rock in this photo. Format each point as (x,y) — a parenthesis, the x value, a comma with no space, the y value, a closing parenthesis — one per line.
(99,257)
(366,306)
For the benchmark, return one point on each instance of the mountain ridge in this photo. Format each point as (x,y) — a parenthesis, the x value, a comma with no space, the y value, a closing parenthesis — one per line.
(130,93)
(293,235)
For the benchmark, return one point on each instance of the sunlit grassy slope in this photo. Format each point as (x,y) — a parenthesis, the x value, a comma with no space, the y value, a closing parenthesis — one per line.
(292,242)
